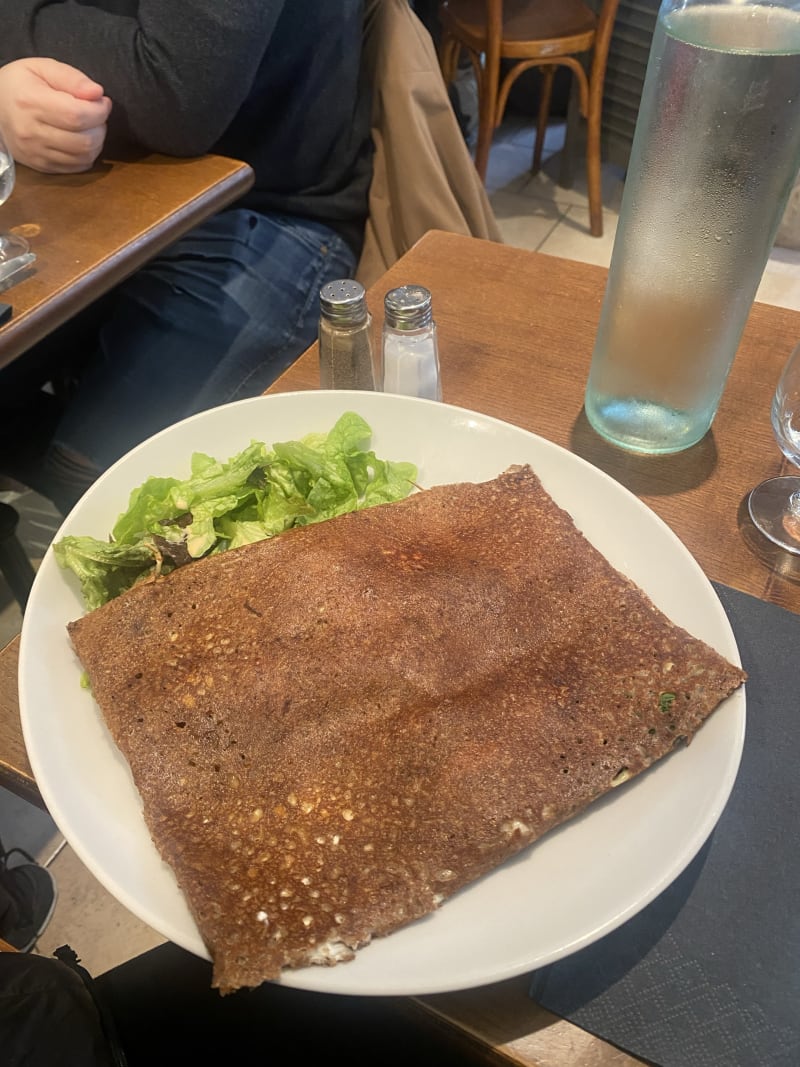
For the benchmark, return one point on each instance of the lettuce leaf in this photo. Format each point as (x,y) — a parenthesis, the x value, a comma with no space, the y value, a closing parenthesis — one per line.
(258,493)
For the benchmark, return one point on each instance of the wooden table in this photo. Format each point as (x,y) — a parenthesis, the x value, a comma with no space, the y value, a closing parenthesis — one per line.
(516,333)
(89,231)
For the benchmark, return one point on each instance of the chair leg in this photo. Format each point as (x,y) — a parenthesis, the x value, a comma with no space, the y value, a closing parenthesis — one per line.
(593,177)
(487,105)
(548,74)
(448,57)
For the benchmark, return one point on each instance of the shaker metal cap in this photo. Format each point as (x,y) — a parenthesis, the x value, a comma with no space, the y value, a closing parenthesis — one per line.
(408,307)
(344,301)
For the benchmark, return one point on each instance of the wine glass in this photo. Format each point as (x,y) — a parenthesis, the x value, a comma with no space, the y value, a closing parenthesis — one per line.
(11,245)
(774,505)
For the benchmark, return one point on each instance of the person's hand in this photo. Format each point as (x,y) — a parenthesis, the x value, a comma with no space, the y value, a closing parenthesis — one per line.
(53,117)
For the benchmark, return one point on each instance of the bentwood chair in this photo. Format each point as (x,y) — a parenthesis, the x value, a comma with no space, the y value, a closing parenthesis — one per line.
(532,33)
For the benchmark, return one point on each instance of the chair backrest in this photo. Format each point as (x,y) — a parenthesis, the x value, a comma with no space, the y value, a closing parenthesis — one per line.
(606,13)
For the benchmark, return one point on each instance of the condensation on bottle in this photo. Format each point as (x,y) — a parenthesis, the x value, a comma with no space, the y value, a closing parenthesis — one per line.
(715,154)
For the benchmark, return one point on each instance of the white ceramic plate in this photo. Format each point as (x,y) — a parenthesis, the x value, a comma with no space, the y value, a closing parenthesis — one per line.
(578,883)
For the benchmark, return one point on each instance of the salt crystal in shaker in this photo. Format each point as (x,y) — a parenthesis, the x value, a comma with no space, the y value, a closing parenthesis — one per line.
(345,337)
(410,348)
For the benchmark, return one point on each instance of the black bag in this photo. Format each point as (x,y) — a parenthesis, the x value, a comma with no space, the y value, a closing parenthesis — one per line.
(51,1015)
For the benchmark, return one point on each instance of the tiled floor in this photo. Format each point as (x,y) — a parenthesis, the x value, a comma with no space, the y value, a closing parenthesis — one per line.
(533,212)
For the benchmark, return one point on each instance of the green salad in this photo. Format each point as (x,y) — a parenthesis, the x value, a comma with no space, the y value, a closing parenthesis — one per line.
(256,494)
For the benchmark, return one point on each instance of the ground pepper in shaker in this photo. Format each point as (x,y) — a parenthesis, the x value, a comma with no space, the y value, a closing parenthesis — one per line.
(345,337)
(410,346)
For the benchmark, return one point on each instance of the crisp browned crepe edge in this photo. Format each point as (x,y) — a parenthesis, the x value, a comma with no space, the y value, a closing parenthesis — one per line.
(493,781)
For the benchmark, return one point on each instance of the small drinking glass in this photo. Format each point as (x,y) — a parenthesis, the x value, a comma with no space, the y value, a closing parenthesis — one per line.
(11,245)
(774,505)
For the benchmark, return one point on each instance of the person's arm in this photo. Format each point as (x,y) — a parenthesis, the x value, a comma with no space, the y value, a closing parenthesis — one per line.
(53,118)
(176,70)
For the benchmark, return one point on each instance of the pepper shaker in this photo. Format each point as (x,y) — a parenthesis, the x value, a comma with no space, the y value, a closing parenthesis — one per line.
(410,346)
(345,337)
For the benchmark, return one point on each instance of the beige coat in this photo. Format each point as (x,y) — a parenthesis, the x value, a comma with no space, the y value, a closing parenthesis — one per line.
(423,177)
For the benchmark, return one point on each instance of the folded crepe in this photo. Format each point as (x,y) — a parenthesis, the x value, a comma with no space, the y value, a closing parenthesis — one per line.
(334,730)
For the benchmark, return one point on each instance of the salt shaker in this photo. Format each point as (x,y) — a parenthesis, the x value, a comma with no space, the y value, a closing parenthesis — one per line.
(345,337)
(410,348)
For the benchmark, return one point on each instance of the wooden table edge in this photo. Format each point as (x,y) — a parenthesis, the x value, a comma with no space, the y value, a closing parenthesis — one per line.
(16,773)
(33,324)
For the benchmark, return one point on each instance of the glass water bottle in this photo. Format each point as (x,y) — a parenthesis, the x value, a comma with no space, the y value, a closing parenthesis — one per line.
(715,155)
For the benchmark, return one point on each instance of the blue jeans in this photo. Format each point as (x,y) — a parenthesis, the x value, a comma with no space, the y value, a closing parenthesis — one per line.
(216,317)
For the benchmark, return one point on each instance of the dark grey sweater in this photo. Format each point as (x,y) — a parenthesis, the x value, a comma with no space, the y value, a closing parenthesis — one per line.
(274,82)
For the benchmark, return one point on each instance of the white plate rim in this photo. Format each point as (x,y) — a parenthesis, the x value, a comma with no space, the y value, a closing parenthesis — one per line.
(348,978)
